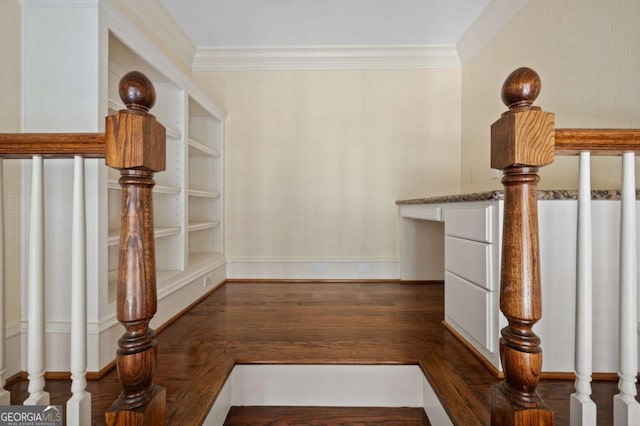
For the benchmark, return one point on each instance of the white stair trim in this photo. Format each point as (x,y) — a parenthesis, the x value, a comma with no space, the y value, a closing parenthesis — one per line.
(327,386)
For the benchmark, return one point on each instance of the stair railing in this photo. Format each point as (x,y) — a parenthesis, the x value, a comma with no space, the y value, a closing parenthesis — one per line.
(134,144)
(522,140)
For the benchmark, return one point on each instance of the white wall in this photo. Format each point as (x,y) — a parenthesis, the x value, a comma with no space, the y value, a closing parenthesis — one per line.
(316,159)
(587,55)
(10,121)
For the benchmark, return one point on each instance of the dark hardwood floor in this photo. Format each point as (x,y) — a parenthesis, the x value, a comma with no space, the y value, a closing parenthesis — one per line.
(326,416)
(318,323)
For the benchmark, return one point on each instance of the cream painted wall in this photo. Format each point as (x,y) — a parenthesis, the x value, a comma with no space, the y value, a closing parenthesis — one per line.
(10,121)
(316,159)
(587,55)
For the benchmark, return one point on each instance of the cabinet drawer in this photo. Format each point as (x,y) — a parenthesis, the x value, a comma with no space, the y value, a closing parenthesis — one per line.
(473,223)
(469,259)
(469,307)
(421,211)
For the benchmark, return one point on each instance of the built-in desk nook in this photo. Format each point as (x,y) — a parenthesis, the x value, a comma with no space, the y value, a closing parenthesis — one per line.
(458,239)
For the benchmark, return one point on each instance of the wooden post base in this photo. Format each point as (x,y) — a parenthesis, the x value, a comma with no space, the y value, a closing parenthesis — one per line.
(153,413)
(505,413)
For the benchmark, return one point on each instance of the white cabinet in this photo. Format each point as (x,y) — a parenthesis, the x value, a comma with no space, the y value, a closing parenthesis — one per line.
(468,309)
(471,260)
(471,221)
(472,250)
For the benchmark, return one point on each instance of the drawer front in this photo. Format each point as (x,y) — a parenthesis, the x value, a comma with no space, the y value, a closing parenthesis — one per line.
(421,211)
(473,223)
(470,259)
(469,307)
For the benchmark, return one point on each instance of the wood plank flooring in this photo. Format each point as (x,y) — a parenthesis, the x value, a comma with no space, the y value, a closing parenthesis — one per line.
(325,416)
(317,323)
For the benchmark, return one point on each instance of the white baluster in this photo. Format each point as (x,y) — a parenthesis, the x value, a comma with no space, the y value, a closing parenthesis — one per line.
(79,406)
(583,409)
(35,344)
(5,396)
(626,410)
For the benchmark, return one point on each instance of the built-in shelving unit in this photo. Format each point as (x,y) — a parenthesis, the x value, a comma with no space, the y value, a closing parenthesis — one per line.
(205,144)
(187,196)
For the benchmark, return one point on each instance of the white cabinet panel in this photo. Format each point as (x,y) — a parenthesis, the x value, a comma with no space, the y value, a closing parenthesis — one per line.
(473,223)
(469,259)
(469,307)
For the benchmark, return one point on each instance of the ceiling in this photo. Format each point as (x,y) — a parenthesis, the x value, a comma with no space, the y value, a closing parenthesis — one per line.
(324,22)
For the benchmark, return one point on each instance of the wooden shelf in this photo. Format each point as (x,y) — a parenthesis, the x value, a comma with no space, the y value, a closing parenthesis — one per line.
(159,232)
(198,149)
(165,274)
(203,194)
(158,189)
(166,231)
(173,133)
(114,237)
(202,225)
(202,258)
(164,189)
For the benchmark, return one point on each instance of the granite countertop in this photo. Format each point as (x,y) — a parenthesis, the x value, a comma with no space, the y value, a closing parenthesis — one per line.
(499,195)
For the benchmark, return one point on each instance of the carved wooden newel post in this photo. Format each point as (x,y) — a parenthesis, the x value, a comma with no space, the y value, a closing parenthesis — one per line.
(135,144)
(521,141)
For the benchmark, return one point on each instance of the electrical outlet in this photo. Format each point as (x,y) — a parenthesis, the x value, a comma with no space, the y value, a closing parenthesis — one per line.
(495,173)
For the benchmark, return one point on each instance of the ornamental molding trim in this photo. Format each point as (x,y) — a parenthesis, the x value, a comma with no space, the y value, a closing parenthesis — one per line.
(370,57)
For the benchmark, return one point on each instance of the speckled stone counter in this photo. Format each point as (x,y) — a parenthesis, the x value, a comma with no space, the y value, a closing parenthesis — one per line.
(499,195)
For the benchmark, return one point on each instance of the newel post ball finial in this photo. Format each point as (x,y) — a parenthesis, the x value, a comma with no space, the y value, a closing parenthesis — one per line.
(521,88)
(134,139)
(524,134)
(137,91)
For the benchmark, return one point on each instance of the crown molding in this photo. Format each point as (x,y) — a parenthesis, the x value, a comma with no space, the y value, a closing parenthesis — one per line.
(492,19)
(376,57)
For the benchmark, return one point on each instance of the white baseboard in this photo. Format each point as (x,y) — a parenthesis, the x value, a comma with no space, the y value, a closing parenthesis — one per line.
(328,386)
(313,268)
